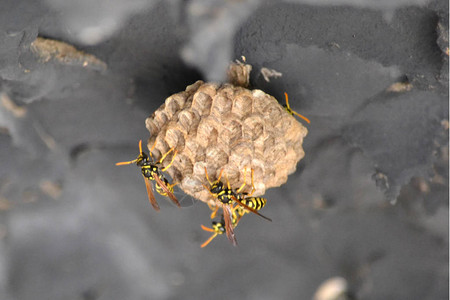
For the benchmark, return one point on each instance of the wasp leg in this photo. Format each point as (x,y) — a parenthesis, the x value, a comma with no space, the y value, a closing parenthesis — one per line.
(243,185)
(289,110)
(164,156)
(253,186)
(237,213)
(214,213)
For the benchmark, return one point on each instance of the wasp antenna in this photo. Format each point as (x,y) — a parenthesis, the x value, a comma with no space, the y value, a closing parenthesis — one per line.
(140,146)
(208,240)
(287,100)
(126,162)
(228,182)
(294,112)
(303,117)
(207,178)
(207,189)
(220,176)
(153,147)
(207,228)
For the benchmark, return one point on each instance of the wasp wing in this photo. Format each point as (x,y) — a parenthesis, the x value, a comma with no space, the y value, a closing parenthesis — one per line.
(229,224)
(251,209)
(151,197)
(166,190)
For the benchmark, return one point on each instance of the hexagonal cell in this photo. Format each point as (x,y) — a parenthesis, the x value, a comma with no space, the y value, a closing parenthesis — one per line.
(226,127)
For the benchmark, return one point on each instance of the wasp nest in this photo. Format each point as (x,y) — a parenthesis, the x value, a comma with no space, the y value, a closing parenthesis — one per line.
(226,127)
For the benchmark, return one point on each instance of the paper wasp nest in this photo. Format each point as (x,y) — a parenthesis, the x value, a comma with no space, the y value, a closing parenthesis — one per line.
(226,127)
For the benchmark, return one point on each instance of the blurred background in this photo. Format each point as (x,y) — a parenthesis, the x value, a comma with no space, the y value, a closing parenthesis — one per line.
(367,207)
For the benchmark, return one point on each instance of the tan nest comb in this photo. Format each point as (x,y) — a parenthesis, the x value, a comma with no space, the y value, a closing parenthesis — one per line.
(226,127)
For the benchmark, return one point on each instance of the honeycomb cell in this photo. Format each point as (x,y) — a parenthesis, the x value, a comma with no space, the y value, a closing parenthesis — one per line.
(226,127)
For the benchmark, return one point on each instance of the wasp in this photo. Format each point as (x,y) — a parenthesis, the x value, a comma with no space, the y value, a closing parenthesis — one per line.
(255,203)
(217,228)
(227,198)
(237,213)
(292,112)
(151,171)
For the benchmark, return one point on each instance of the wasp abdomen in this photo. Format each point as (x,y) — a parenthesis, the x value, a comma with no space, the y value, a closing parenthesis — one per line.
(160,190)
(255,202)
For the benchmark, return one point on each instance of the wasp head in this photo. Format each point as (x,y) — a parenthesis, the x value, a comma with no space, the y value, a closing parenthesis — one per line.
(216,187)
(142,159)
(218,227)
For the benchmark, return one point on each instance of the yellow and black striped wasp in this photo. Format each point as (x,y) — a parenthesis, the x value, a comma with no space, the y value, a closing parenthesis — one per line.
(151,171)
(256,203)
(292,112)
(227,197)
(217,228)
(237,213)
